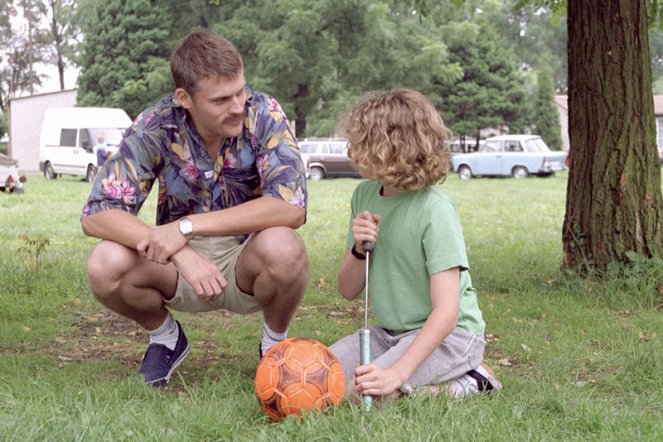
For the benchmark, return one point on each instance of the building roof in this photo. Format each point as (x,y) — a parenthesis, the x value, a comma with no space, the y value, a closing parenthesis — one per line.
(563,102)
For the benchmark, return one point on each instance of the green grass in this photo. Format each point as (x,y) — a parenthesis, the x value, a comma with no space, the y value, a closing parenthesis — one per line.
(579,359)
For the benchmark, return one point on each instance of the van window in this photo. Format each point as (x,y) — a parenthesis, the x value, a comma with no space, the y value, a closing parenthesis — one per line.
(84,139)
(68,137)
(111,136)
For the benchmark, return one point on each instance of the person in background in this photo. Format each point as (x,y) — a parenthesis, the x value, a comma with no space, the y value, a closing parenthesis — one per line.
(102,150)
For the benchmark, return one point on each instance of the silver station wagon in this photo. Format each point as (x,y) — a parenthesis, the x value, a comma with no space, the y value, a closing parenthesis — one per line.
(516,155)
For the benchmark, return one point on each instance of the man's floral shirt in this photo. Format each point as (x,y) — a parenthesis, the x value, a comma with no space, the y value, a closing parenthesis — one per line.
(163,146)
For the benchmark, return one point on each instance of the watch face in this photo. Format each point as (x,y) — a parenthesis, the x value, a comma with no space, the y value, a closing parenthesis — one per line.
(186,227)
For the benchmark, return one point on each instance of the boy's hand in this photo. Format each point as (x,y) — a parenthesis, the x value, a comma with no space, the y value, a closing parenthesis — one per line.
(375,381)
(365,227)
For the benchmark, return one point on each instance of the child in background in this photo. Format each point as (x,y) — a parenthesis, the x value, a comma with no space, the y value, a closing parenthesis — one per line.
(430,331)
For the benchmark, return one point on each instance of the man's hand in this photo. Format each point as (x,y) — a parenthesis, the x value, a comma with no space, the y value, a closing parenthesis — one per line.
(162,243)
(200,273)
(375,381)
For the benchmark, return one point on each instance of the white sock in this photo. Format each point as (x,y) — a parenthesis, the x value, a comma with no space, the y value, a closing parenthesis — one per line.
(270,338)
(166,334)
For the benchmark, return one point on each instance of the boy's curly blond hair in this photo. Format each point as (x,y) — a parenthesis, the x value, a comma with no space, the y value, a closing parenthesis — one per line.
(398,138)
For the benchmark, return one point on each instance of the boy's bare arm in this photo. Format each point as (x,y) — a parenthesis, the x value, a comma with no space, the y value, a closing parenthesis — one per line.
(445,296)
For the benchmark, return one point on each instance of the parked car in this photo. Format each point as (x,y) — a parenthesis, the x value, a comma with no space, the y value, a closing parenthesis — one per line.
(327,158)
(10,180)
(515,155)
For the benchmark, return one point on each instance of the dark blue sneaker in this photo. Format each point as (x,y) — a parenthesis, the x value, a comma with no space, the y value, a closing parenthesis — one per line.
(159,362)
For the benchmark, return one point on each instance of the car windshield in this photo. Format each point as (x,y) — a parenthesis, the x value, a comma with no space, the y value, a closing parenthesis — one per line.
(536,145)
(112,136)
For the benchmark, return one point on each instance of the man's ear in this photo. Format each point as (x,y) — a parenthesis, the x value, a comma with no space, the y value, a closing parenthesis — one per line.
(184,98)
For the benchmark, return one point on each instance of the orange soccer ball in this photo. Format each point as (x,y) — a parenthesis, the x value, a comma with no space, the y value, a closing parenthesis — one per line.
(298,375)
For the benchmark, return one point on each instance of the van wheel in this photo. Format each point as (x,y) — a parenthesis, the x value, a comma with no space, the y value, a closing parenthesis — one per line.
(91,173)
(317,174)
(49,173)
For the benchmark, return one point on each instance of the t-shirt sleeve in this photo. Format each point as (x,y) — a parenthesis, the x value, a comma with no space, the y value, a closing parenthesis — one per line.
(442,238)
(125,180)
(279,162)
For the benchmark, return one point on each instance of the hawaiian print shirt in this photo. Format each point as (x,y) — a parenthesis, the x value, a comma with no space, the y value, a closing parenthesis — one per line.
(163,145)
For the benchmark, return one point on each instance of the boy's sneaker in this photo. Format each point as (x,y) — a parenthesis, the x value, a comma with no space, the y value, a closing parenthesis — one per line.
(160,362)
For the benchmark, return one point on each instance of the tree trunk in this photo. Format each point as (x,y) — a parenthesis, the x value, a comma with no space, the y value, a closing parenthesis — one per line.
(300,116)
(614,203)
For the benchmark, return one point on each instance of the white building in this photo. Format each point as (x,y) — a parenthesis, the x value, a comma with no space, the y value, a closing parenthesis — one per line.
(25,117)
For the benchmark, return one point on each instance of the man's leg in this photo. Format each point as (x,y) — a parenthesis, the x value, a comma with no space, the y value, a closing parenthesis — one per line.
(133,287)
(130,285)
(274,268)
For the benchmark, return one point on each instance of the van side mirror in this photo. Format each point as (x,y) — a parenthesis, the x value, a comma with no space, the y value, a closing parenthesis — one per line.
(87,146)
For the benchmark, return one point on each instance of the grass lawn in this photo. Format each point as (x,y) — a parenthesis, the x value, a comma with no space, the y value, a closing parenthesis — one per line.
(579,359)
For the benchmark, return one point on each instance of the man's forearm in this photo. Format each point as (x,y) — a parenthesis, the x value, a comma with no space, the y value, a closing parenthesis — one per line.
(251,216)
(116,225)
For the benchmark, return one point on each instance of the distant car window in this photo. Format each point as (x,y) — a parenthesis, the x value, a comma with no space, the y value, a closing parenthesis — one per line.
(514,146)
(536,145)
(492,146)
(68,137)
(310,147)
(338,148)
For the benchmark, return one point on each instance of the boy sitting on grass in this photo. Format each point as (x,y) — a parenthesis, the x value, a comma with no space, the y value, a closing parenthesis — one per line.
(430,331)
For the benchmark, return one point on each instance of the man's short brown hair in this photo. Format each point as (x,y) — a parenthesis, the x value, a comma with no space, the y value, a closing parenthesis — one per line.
(202,55)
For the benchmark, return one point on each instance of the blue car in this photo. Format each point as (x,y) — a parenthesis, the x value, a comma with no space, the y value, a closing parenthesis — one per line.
(518,156)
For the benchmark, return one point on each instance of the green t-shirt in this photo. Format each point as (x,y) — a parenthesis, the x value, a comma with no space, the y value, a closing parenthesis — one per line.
(420,235)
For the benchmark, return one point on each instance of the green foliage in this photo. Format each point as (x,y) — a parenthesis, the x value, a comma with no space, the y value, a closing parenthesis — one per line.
(545,117)
(124,55)
(490,93)
(4,124)
(32,249)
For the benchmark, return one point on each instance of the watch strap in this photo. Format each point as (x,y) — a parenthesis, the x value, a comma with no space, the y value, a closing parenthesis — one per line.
(356,254)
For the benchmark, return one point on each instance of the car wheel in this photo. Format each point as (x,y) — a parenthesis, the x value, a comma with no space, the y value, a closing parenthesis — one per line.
(519,172)
(464,173)
(49,173)
(317,174)
(91,173)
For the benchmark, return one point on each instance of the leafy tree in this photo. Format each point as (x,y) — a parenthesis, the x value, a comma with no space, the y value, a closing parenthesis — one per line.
(4,125)
(489,94)
(20,50)
(545,118)
(124,54)
(614,203)
(62,31)
(317,56)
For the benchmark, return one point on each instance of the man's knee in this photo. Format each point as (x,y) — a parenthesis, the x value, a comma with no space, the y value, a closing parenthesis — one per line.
(283,247)
(282,252)
(106,265)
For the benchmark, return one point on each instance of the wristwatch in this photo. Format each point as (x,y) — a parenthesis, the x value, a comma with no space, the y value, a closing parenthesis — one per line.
(186,228)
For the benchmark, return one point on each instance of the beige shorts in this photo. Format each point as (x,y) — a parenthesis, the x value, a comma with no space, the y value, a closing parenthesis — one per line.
(222,251)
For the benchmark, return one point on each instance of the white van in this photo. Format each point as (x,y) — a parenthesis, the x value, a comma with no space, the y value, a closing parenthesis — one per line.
(68,141)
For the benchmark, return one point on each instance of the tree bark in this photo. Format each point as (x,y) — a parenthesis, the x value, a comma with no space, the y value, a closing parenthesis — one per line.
(614,203)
